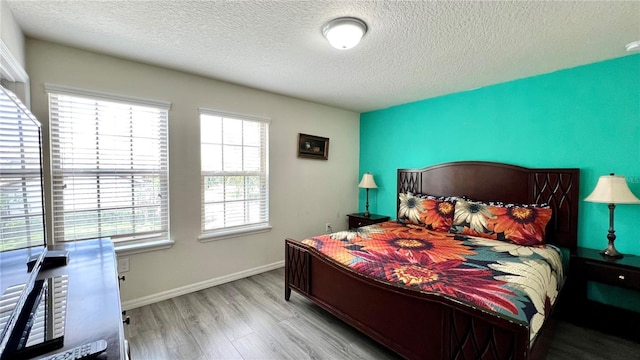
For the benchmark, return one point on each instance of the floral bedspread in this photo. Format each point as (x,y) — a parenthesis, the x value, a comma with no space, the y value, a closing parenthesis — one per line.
(521,282)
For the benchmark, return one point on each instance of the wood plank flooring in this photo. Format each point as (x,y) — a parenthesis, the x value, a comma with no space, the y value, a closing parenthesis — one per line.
(249,319)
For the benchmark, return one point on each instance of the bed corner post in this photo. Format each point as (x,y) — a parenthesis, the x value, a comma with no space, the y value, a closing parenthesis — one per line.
(296,269)
(287,288)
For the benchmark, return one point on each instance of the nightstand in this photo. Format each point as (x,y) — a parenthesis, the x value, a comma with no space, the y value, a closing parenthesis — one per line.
(589,267)
(358,219)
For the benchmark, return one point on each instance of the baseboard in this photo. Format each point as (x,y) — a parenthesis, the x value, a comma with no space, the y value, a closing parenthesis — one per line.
(154,298)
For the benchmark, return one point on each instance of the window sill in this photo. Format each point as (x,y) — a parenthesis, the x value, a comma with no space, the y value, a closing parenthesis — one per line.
(129,248)
(232,233)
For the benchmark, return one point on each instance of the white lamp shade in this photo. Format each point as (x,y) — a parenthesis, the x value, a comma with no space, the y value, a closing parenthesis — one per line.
(612,189)
(344,33)
(367,182)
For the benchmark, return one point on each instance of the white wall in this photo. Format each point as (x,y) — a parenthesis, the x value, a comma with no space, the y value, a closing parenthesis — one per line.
(305,194)
(10,33)
(12,74)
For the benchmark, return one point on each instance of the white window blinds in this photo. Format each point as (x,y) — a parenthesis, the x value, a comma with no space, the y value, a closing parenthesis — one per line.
(21,207)
(110,167)
(235,171)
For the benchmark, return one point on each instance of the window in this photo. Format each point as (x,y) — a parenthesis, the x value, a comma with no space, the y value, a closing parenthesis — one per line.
(21,215)
(109,166)
(234,173)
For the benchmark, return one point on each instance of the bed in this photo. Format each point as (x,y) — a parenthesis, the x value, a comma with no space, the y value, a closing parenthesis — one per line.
(421,324)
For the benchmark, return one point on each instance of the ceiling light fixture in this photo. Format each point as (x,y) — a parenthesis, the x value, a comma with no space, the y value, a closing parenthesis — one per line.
(344,33)
(633,46)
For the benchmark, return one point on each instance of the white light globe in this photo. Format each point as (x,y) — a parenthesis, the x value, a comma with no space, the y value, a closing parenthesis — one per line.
(344,33)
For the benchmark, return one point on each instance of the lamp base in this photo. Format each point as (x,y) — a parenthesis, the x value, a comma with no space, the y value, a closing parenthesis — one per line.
(611,252)
(366,211)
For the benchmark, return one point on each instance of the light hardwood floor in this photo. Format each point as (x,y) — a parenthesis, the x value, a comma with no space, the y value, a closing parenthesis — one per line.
(249,319)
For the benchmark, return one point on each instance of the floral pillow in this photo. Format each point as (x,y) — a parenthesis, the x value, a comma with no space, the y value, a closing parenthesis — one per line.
(516,223)
(433,212)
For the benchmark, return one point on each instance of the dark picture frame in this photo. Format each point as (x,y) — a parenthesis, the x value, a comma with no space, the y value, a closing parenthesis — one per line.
(313,147)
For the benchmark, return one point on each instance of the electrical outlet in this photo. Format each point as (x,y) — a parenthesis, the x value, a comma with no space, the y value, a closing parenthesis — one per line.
(123,265)
(327,228)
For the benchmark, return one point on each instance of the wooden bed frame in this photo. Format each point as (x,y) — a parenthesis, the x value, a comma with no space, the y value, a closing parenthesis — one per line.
(422,325)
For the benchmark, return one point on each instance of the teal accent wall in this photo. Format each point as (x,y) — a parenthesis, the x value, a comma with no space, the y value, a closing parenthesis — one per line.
(612,295)
(586,117)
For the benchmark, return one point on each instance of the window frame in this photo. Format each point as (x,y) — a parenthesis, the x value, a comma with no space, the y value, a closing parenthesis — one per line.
(28,217)
(133,242)
(244,229)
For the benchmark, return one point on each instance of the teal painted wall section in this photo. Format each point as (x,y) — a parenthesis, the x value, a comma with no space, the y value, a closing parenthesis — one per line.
(586,117)
(617,296)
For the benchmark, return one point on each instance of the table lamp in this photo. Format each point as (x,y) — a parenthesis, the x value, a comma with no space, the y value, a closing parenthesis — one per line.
(613,190)
(367,182)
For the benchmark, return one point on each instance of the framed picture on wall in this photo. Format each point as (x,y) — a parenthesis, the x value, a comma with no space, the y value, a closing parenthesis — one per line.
(313,147)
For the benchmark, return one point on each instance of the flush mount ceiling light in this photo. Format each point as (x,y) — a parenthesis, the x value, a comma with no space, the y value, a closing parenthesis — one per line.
(633,46)
(344,33)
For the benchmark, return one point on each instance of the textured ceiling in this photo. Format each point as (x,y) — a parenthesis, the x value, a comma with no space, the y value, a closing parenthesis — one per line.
(413,50)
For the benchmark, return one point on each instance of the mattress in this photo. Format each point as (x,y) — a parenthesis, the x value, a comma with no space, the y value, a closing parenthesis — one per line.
(519,282)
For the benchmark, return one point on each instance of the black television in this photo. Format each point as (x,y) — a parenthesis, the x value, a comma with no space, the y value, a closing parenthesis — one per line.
(25,327)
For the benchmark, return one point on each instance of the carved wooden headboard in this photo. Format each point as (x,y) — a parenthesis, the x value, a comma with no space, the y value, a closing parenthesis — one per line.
(488,181)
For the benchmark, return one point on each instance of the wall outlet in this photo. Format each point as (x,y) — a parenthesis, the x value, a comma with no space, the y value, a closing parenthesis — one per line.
(123,265)
(327,228)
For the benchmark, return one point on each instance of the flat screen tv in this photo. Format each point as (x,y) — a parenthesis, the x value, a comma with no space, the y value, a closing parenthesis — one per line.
(22,224)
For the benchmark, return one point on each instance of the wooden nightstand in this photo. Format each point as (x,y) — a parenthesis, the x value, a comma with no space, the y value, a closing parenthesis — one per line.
(357,220)
(587,265)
